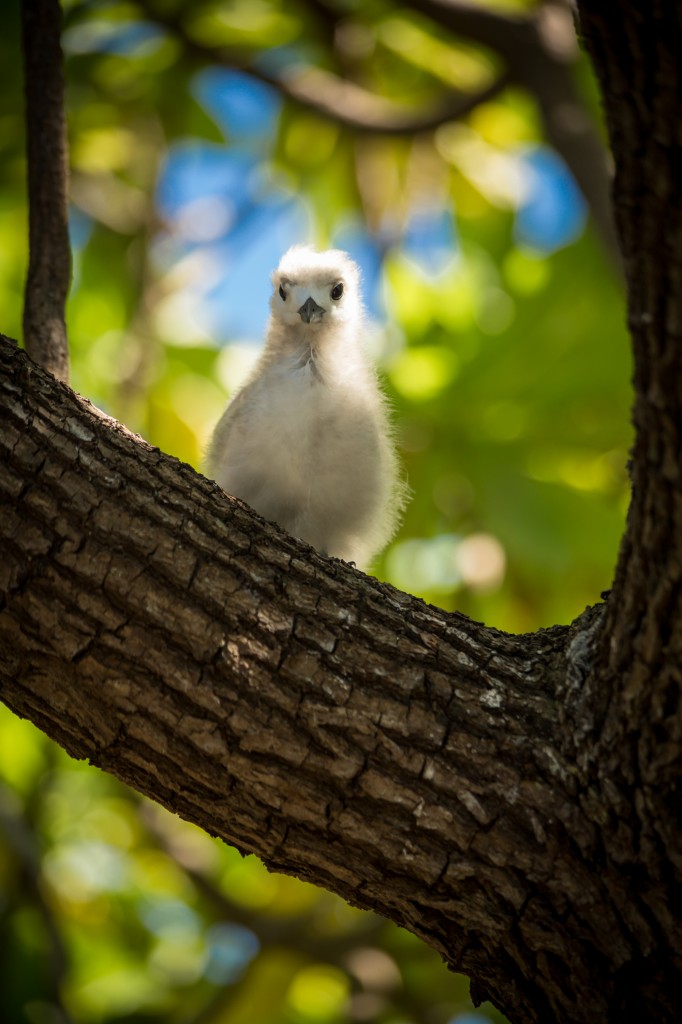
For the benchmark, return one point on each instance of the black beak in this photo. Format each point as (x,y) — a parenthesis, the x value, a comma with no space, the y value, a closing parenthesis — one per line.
(308,310)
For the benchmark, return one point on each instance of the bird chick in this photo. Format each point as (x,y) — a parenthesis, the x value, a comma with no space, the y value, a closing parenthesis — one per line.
(307,441)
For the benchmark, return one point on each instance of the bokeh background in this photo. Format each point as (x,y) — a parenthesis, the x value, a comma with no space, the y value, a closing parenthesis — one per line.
(495,313)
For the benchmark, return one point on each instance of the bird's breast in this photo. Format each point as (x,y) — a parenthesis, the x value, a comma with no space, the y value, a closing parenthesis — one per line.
(299,410)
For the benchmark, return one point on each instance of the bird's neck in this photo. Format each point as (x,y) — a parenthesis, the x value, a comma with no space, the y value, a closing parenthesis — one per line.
(332,350)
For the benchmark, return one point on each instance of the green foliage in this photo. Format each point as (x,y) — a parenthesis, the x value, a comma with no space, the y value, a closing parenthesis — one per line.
(508,373)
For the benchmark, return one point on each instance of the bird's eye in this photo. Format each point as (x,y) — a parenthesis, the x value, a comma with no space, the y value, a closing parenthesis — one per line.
(282,293)
(337,291)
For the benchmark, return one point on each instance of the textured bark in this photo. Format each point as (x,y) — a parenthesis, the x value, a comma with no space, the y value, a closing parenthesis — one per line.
(512,800)
(49,268)
(411,760)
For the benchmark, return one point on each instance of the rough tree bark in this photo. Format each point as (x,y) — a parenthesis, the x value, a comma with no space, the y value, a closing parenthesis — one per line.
(512,800)
(408,759)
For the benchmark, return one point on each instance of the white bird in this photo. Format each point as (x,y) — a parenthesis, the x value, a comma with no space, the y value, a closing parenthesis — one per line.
(307,441)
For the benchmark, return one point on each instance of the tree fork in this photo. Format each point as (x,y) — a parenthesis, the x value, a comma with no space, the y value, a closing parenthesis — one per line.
(413,761)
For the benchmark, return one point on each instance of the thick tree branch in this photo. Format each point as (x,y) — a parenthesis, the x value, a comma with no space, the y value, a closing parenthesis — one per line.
(411,760)
(49,269)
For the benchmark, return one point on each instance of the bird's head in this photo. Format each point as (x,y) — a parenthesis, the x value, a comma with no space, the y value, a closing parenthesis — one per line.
(315,291)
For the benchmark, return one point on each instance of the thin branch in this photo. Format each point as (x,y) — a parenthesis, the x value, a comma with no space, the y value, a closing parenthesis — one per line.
(327,94)
(351,105)
(49,269)
(503,32)
(538,53)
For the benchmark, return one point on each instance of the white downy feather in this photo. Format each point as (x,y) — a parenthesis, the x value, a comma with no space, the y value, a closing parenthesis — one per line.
(307,441)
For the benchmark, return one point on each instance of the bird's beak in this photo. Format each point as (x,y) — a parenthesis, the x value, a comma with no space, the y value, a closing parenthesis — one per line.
(308,310)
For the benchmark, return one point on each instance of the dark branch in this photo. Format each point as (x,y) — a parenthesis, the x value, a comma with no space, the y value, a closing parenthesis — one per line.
(538,53)
(49,269)
(354,107)
(503,32)
(327,94)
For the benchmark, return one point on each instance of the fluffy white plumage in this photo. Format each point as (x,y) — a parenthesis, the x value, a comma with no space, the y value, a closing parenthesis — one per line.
(307,442)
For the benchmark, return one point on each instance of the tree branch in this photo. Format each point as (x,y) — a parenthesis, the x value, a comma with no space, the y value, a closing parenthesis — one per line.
(354,107)
(538,52)
(326,94)
(411,760)
(49,269)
